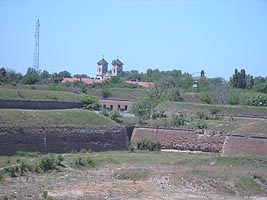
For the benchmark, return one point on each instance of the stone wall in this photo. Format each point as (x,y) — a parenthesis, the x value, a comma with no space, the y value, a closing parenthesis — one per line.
(245,145)
(182,139)
(61,139)
(40,105)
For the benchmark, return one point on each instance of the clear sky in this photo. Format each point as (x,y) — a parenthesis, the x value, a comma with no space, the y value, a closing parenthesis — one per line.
(214,35)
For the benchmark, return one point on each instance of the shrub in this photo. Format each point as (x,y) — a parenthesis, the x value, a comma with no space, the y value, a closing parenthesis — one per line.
(233,100)
(178,120)
(106,93)
(214,111)
(49,163)
(90,102)
(205,98)
(259,100)
(28,153)
(145,144)
(115,115)
(160,114)
(202,115)
(131,147)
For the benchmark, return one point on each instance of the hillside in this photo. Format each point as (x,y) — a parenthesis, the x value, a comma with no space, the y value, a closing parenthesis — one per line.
(44,95)
(121,93)
(74,117)
(193,108)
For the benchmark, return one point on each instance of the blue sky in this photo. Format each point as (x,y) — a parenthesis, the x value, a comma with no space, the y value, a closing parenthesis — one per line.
(191,35)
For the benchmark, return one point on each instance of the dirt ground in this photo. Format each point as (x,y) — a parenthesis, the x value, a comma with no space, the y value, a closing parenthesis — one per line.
(161,182)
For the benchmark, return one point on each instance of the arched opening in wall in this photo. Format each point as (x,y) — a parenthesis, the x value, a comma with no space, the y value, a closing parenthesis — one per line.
(111,107)
(104,107)
(125,107)
(119,107)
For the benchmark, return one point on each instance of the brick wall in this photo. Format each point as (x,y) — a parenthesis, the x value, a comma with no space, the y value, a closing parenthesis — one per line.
(61,139)
(182,139)
(245,145)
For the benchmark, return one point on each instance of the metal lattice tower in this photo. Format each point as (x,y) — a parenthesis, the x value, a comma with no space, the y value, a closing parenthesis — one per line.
(36,47)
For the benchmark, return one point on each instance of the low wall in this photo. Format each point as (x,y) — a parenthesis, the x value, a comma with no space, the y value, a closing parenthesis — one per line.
(40,105)
(182,139)
(61,139)
(245,145)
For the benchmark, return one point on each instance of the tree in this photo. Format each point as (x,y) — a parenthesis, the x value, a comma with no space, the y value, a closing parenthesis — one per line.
(240,79)
(105,90)
(64,74)
(90,102)
(166,88)
(31,77)
(143,107)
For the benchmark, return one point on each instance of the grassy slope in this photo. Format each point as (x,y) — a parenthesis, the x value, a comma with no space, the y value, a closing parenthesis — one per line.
(73,117)
(174,107)
(121,93)
(45,95)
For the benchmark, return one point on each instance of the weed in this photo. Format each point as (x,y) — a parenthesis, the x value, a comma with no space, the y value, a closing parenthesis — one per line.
(1,177)
(145,144)
(28,153)
(133,174)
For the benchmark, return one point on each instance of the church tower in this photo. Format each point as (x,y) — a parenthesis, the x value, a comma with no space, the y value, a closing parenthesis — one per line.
(102,68)
(117,68)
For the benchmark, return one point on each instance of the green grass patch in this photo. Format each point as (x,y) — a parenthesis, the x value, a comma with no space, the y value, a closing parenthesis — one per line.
(73,117)
(39,95)
(133,174)
(121,93)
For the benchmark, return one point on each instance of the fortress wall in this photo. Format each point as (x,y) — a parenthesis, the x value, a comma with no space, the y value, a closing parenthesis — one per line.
(40,105)
(182,139)
(245,145)
(61,139)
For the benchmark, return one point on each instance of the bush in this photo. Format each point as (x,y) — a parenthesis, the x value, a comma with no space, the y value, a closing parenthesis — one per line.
(259,100)
(106,93)
(178,120)
(233,100)
(90,102)
(160,114)
(28,153)
(145,144)
(205,98)
(202,115)
(115,115)
(50,163)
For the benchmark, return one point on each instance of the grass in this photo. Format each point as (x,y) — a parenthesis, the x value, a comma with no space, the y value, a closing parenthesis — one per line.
(44,95)
(73,117)
(121,93)
(174,107)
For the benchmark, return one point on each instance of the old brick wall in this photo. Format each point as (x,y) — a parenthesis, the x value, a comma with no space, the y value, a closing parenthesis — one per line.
(182,139)
(245,145)
(61,139)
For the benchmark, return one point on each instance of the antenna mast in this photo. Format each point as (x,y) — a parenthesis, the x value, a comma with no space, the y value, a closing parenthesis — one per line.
(36,47)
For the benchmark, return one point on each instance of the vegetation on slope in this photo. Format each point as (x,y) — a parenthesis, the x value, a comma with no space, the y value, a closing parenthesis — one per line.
(44,95)
(74,117)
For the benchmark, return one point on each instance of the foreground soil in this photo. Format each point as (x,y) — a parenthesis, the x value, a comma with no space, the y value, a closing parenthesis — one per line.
(140,175)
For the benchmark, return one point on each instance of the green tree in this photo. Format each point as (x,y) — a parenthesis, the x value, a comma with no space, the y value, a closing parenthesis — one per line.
(64,74)
(90,102)
(166,88)
(105,91)
(143,107)
(31,77)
